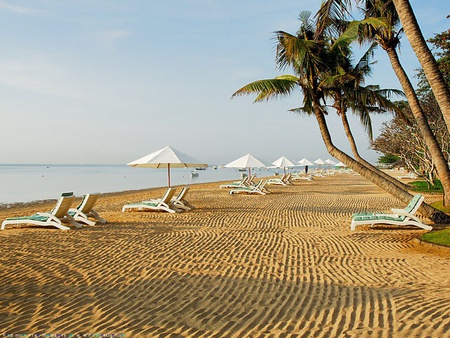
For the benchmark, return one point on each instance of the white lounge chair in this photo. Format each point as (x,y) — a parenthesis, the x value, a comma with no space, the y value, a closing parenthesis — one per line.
(180,202)
(256,189)
(398,217)
(84,210)
(283,180)
(407,176)
(245,182)
(48,219)
(162,204)
(301,176)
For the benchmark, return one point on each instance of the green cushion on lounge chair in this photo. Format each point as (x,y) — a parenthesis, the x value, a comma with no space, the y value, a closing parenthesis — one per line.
(413,203)
(397,217)
(52,218)
(36,217)
(366,213)
(379,218)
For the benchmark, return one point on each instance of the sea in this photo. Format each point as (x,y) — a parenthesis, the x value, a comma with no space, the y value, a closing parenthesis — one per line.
(21,183)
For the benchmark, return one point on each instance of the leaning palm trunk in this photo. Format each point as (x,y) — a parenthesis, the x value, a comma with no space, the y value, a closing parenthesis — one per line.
(442,168)
(434,76)
(426,210)
(354,148)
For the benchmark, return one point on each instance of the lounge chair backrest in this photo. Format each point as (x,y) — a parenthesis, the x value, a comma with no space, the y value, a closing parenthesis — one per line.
(261,184)
(63,205)
(245,180)
(88,202)
(251,178)
(182,193)
(168,195)
(414,204)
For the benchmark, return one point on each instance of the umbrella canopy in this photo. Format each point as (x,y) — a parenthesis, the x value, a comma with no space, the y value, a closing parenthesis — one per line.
(328,161)
(340,164)
(167,157)
(246,161)
(319,161)
(284,163)
(304,161)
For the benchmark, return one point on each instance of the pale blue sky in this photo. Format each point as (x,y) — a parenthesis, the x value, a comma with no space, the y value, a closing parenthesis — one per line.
(108,81)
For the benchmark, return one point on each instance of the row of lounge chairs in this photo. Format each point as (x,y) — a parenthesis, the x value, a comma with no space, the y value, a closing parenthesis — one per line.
(84,213)
(247,186)
(398,217)
(62,213)
(167,203)
(283,180)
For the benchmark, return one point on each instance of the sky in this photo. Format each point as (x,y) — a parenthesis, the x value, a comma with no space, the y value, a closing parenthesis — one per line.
(109,81)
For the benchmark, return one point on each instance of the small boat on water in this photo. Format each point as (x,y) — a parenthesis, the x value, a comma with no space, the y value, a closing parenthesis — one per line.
(194,174)
(200,168)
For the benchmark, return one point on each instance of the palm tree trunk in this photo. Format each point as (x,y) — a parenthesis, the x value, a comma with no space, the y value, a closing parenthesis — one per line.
(354,148)
(426,210)
(442,168)
(433,74)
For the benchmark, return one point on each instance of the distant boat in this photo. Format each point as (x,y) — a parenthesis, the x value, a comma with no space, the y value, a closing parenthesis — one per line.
(200,168)
(194,174)
(242,169)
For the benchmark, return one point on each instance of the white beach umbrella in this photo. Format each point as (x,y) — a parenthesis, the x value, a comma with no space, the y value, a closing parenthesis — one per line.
(329,162)
(319,161)
(167,157)
(247,161)
(340,164)
(305,162)
(284,163)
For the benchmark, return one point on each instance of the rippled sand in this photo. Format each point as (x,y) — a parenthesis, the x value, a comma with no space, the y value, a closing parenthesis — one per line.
(280,265)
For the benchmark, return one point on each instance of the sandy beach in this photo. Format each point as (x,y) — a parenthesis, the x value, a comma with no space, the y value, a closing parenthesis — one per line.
(281,265)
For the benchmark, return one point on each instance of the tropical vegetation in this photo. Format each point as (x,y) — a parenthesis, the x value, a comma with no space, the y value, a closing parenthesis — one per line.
(401,137)
(387,36)
(320,62)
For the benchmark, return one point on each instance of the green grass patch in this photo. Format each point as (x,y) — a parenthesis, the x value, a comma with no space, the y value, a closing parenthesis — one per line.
(441,237)
(440,206)
(422,186)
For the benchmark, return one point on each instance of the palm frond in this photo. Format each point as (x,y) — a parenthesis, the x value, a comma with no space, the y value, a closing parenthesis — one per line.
(294,51)
(332,16)
(300,110)
(269,88)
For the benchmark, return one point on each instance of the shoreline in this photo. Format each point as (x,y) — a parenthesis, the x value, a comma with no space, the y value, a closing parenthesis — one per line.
(280,264)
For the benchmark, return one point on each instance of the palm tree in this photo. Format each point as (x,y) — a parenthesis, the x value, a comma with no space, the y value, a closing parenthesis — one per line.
(430,67)
(388,37)
(313,58)
(347,90)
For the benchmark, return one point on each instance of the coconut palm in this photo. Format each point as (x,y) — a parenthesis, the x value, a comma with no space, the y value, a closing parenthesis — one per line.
(333,14)
(312,58)
(347,90)
(430,67)
(388,37)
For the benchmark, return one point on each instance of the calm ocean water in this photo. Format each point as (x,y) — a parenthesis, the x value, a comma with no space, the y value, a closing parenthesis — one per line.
(26,183)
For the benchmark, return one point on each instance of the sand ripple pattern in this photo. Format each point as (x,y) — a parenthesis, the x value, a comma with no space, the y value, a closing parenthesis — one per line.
(280,265)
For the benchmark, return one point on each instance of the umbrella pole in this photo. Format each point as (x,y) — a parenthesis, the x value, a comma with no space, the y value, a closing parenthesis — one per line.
(168,174)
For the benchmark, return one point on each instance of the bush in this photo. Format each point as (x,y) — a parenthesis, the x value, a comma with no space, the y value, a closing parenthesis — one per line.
(422,186)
